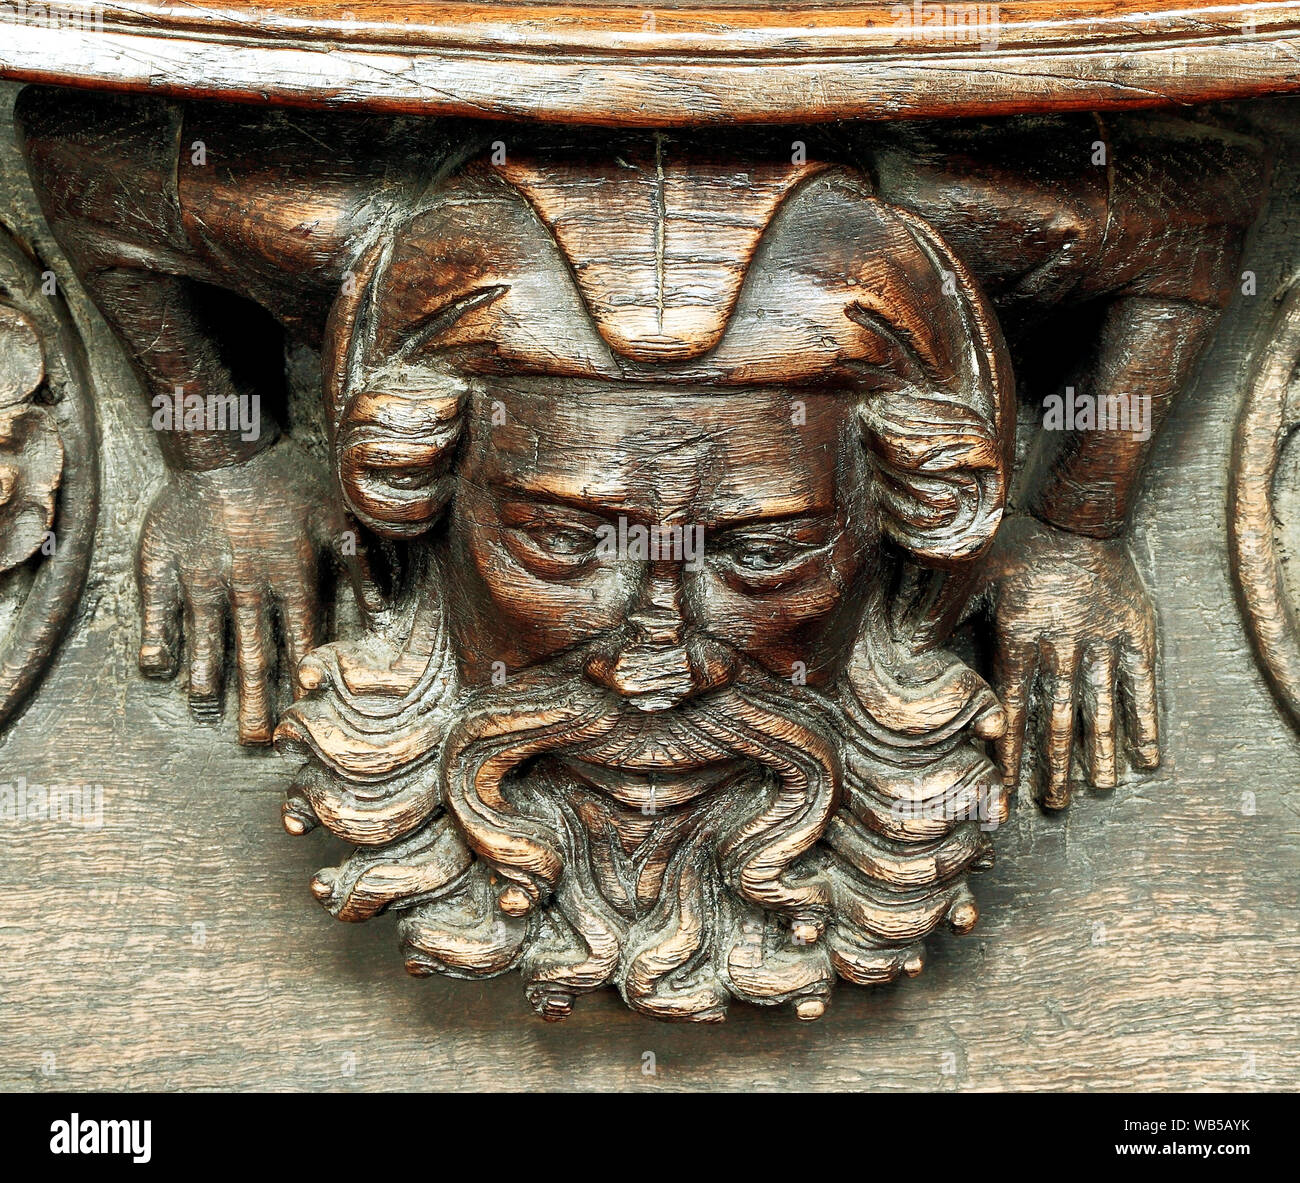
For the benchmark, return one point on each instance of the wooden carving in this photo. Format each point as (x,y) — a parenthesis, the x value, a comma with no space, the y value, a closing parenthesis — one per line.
(675,63)
(1261,511)
(48,473)
(689,455)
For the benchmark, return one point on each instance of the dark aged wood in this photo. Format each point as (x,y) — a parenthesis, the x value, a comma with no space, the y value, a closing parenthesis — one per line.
(671,63)
(49,467)
(734,771)
(744,764)
(1261,528)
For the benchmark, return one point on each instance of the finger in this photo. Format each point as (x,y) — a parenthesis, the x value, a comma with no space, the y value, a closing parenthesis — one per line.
(302,624)
(1097,703)
(160,610)
(205,635)
(255,649)
(1137,665)
(1013,674)
(1059,668)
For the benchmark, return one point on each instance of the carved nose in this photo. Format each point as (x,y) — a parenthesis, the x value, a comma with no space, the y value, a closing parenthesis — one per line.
(652,670)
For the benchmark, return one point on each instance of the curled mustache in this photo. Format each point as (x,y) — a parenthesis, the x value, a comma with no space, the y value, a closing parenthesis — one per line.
(736,864)
(747,720)
(831,847)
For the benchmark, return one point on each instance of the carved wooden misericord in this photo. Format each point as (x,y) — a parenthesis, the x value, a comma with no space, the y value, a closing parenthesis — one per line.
(48,472)
(713,587)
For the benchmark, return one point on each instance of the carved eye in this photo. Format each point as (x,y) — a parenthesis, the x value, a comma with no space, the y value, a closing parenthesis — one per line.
(564,541)
(767,560)
(551,542)
(763,557)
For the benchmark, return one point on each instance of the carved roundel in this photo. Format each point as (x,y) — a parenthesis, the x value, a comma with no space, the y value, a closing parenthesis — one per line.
(48,472)
(1264,508)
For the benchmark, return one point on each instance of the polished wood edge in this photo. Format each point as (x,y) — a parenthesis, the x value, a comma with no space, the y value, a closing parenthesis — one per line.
(638,29)
(637,90)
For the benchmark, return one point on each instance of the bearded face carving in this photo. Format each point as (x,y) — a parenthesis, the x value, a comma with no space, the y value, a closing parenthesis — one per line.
(689,462)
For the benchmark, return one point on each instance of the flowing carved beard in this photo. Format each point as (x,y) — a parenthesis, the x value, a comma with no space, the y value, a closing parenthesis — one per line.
(750,783)
(752,843)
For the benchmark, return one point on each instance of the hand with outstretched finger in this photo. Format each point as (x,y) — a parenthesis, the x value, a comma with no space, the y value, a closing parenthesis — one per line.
(1074,641)
(245,544)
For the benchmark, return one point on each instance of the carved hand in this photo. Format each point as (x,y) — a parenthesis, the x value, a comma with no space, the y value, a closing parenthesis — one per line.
(1071,620)
(245,542)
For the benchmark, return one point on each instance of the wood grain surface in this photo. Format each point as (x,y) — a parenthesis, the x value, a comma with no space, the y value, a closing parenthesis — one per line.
(1145,939)
(674,63)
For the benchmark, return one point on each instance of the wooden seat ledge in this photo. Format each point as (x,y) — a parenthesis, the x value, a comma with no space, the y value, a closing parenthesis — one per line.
(670,64)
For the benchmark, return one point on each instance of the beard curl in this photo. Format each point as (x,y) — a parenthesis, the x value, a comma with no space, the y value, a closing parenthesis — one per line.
(733,858)
(837,854)
(747,720)
(372,723)
(920,801)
